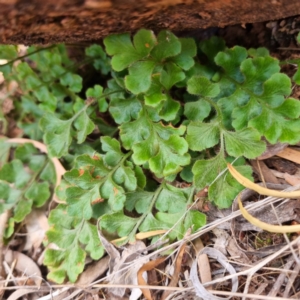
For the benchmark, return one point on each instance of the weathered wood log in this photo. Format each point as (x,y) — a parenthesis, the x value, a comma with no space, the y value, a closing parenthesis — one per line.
(53,21)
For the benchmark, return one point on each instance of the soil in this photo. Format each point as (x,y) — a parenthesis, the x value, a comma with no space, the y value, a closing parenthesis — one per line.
(53,21)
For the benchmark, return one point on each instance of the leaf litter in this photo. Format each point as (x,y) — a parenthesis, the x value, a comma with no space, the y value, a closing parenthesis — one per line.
(274,276)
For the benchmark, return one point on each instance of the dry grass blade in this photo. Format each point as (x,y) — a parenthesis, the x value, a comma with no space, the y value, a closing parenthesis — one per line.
(93,271)
(260,289)
(266,226)
(140,236)
(282,277)
(147,267)
(248,296)
(261,190)
(175,276)
(291,280)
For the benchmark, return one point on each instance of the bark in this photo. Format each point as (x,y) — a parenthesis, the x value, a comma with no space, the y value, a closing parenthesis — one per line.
(53,21)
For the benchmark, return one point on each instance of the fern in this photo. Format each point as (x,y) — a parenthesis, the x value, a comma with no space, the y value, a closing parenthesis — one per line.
(163,111)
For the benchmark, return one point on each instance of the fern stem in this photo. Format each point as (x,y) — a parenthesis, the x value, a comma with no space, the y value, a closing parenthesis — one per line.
(91,102)
(216,107)
(149,210)
(27,55)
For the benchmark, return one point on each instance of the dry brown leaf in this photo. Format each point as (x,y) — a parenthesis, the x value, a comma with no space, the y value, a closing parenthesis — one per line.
(36,227)
(24,265)
(277,173)
(290,154)
(92,272)
(221,240)
(291,179)
(272,150)
(147,267)
(7,106)
(236,252)
(263,172)
(19,293)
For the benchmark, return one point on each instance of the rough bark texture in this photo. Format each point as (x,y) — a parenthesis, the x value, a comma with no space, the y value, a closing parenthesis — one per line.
(52,21)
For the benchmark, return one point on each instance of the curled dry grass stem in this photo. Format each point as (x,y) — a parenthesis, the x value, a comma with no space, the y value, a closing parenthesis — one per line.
(264,191)
(259,189)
